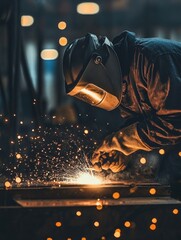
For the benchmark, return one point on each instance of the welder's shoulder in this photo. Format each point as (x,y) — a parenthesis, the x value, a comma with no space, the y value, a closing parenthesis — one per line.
(155,47)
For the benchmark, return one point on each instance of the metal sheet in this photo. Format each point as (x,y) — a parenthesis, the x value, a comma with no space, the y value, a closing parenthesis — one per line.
(93,202)
(86,195)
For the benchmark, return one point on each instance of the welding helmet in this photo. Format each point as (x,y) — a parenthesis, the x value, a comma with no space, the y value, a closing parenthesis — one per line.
(92,72)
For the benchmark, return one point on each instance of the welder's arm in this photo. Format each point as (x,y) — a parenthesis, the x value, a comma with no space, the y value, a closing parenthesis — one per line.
(163,79)
(125,141)
(161,131)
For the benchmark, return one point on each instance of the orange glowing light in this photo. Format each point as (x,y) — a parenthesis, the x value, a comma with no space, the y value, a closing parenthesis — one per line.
(99,204)
(116,195)
(142,160)
(27,21)
(63,41)
(7,184)
(117,233)
(88,8)
(161,151)
(49,54)
(99,207)
(152,191)
(18,156)
(154,220)
(86,131)
(153,227)
(49,238)
(103,238)
(18,179)
(83,238)
(175,211)
(179,154)
(78,213)
(62,25)
(58,224)
(127,224)
(96,224)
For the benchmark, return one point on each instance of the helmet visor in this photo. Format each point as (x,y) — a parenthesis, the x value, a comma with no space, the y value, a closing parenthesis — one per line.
(91,94)
(95,87)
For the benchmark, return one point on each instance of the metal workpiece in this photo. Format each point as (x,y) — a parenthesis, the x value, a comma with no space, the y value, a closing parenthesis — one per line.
(87,195)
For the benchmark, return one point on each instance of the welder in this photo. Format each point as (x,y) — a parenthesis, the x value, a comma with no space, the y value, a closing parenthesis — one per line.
(141,77)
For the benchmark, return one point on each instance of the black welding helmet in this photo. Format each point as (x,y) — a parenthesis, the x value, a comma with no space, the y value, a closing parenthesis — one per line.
(92,72)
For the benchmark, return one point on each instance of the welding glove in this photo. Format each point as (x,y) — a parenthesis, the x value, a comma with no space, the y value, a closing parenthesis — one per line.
(109,154)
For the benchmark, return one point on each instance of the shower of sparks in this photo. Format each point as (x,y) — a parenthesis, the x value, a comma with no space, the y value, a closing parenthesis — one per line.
(55,154)
(59,154)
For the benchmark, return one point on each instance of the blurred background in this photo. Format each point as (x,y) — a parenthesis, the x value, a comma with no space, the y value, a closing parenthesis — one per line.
(45,135)
(41,29)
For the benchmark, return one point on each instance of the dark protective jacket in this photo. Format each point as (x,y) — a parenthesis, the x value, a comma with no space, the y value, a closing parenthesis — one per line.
(151,72)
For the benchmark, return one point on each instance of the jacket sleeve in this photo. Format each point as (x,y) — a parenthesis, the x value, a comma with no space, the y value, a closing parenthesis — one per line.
(163,127)
(126,141)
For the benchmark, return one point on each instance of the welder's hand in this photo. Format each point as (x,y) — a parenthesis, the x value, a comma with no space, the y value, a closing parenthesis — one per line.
(118,144)
(108,156)
(111,160)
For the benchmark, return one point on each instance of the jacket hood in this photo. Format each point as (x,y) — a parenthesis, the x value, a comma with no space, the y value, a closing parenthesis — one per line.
(124,47)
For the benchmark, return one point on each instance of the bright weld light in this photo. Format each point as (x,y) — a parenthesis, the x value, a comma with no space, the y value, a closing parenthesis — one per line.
(86,178)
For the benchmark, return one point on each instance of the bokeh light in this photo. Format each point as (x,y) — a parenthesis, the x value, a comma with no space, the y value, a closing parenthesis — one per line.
(117,233)
(49,54)
(27,21)
(127,224)
(62,25)
(99,204)
(63,41)
(86,131)
(175,211)
(58,224)
(154,220)
(161,151)
(7,184)
(96,224)
(153,227)
(18,156)
(116,195)
(88,8)
(78,213)
(143,160)
(152,191)
(18,179)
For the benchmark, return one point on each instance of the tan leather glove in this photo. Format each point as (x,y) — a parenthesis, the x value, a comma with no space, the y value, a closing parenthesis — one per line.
(107,155)
(112,160)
